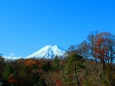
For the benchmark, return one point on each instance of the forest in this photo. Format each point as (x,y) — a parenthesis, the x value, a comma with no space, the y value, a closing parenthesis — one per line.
(90,63)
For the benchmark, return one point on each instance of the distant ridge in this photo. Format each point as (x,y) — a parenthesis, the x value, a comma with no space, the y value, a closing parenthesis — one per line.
(48,52)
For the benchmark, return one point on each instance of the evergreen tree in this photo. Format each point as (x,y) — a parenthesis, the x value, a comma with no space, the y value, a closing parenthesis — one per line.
(2,65)
(56,63)
(46,66)
(41,82)
(7,72)
(72,69)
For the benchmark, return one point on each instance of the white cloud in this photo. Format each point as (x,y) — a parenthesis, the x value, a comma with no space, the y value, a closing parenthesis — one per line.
(12,56)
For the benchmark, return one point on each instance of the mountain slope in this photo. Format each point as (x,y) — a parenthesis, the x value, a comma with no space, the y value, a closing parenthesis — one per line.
(47,52)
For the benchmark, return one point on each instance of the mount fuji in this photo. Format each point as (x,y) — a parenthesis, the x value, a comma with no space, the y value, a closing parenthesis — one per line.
(47,52)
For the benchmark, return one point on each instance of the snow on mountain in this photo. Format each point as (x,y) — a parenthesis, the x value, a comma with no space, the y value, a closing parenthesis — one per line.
(47,52)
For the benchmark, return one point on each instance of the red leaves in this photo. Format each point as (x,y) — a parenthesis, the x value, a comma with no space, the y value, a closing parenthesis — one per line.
(58,83)
(101,43)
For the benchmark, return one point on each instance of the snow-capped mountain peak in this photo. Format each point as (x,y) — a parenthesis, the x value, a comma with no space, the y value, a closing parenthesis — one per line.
(47,52)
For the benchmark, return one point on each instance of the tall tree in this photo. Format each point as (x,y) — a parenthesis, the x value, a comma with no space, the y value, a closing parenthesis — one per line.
(2,65)
(41,82)
(56,63)
(46,66)
(83,49)
(7,72)
(72,69)
(71,49)
(111,46)
(91,41)
(102,47)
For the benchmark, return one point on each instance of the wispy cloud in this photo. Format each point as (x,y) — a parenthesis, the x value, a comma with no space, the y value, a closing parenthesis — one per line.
(12,56)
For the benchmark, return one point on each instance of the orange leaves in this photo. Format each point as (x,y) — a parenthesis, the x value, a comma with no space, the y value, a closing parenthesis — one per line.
(11,79)
(103,46)
(30,63)
(101,42)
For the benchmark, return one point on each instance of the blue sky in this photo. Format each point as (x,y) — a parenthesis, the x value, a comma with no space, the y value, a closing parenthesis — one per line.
(28,25)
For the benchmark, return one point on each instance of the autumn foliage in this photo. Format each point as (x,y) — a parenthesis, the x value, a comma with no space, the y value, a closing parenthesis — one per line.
(90,63)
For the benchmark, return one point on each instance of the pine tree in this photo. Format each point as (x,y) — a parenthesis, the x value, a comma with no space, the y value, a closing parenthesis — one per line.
(41,82)
(56,63)
(72,69)
(7,72)
(46,66)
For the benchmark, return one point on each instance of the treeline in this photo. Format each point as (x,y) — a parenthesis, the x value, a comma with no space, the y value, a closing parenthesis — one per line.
(90,63)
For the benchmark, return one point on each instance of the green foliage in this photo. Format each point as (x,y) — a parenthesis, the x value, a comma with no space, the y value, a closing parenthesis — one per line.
(46,66)
(86,83)
(72,69)
(2,65)
(56,64)
(72,74)
(42,82)
(2,61)
(7,72)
